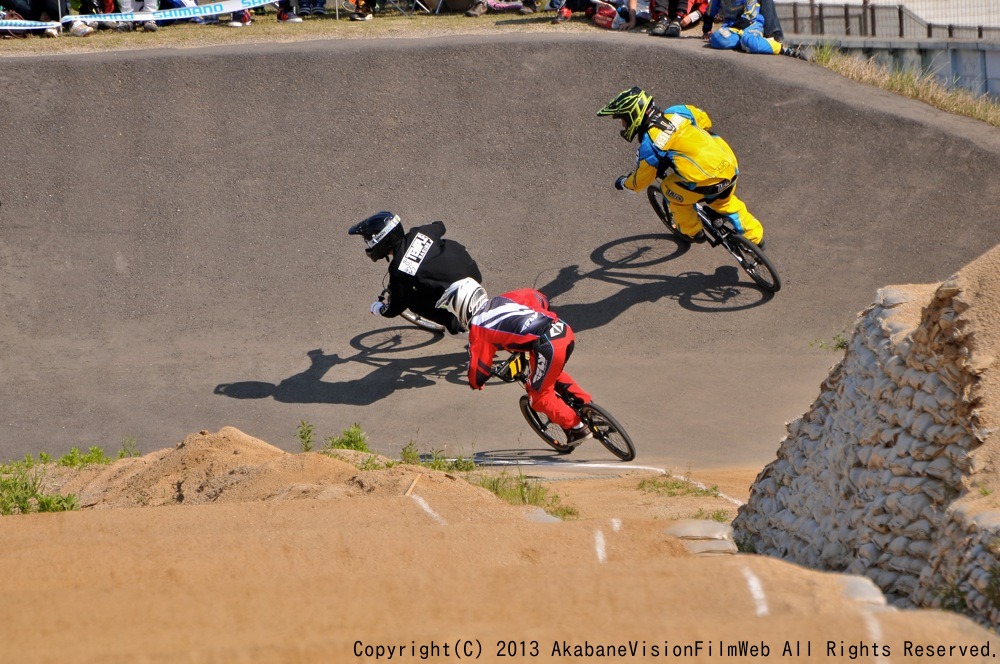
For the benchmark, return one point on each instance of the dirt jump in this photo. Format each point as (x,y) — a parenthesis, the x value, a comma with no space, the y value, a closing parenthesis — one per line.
(174,259)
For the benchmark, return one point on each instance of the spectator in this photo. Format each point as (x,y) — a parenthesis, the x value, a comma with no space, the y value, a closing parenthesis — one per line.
(46,11)
(286,14)
(565,8)
(363,11)
(626,15)
(672,16)
(742,28)
(480,7)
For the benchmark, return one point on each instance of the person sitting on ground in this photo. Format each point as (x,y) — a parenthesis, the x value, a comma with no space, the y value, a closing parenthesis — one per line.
(45,11)
(422,265)
(363,11)
(672,16)
(742,28)
(695,166)
(520,321)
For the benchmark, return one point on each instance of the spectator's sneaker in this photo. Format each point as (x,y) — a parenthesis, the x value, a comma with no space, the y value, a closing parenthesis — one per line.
(240,19)
(285,16)
(50,33)
(562,15)
(125,26)
(576,437)
(478,9)
(528,7)
(305,8)
(660,28)
(319,9)
(360,16)
(150,26)
(795,52)
(673,29)
(80,29)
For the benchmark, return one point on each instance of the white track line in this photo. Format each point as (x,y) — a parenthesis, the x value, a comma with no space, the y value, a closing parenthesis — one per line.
(756,591)
(602,555)
(427,508)
(874,633)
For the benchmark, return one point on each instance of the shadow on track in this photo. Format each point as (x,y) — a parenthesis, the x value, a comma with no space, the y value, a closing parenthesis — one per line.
(388,374)
(625,262)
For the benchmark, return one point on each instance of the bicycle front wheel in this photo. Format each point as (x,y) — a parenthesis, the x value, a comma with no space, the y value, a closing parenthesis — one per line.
(420,321)
(607,430)
(753,261)
(548,431)
(662,209)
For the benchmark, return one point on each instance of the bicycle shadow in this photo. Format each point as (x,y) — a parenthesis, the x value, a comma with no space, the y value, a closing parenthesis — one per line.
(541,456)
(387,375)
(626,262)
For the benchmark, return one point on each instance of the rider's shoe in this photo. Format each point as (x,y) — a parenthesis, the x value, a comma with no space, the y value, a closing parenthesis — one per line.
(576,436)
(699,237)
(762,244)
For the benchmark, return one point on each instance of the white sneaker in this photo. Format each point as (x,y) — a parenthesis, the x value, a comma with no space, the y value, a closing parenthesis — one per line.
(80,29)
(51,32)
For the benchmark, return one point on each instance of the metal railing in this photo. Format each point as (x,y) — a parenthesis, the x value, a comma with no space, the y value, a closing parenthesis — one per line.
(918,19)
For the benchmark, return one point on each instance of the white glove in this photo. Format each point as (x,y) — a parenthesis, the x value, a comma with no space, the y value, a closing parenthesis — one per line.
(378,308)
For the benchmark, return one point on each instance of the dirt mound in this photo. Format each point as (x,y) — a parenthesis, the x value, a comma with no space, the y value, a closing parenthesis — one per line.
(226,466)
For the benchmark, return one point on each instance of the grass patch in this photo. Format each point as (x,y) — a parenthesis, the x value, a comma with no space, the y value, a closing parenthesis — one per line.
(913,84)
(840,342)
(673,487)
(21,490)
(305,435)
(351,438)
(722,516)
(519,490)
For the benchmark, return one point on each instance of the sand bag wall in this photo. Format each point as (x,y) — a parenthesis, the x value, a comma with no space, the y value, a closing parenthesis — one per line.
(891,473)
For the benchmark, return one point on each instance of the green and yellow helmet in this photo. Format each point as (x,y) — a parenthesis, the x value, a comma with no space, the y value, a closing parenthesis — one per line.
(631,106)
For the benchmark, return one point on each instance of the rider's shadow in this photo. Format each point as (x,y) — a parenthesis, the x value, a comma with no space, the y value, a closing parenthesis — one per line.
(311,385)
(626,262)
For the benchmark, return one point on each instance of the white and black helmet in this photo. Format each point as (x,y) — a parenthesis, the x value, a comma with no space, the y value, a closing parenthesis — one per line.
(463,299)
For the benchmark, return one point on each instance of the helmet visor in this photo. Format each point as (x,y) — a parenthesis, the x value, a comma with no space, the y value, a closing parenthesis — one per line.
(375,239)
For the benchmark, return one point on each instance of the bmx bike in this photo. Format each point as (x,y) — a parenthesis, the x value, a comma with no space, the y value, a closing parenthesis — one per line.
(605,428)
(719,230)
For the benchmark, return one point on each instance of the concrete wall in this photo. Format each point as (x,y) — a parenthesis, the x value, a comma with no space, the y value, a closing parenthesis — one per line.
(972,65)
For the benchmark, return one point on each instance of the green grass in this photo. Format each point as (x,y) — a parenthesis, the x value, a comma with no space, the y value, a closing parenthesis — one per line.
(912,84)
(673,487)
(840,342)
(722,516)
(519,490)
(21,490)
(351,438)
(304,434)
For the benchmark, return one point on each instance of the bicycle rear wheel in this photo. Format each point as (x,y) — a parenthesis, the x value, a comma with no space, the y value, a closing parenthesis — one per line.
(420,321)
(607,430)
(755,263)
(662,209)
(548,431)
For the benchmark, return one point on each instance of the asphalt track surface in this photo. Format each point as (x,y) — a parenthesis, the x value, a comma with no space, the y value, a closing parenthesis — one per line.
(174,253)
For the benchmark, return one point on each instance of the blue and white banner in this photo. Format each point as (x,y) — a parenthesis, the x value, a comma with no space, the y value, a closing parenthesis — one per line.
(211,9)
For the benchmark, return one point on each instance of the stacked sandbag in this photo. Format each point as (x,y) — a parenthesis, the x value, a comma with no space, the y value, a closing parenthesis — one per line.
(892,473)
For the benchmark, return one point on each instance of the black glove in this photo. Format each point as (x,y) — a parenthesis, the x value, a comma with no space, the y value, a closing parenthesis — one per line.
(620,183)
(741,24)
